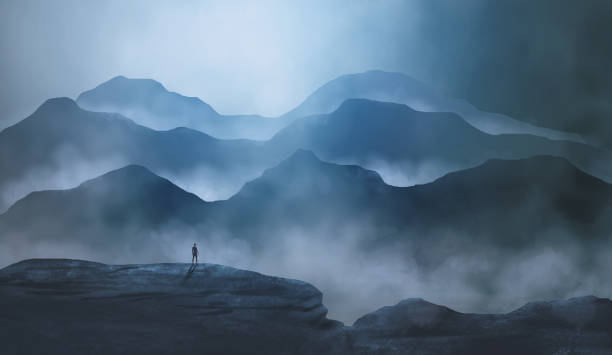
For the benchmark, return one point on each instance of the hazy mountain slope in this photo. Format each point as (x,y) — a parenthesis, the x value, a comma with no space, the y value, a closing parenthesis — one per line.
(149,104)
(481,240)
(60,145)
(110,215)
(302,190)
(400,88)
(409,147)
(492,200)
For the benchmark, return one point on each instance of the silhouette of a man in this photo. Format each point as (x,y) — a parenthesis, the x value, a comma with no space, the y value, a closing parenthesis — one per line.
(194,253)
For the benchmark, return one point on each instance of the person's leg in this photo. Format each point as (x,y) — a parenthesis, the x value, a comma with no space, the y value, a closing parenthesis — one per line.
(196,259)
(192,258)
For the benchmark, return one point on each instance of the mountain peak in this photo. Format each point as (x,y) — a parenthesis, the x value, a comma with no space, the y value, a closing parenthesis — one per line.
(122,90)
(543,169)
(353,104)
(150,104)
(125,175)
(58,105)
(122,82)
(304,155)
(314,177)
(375,85)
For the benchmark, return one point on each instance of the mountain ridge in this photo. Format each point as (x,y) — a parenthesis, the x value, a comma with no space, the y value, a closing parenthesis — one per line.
(400,88)
(150,104)
(375,85)
(409,147)
(61,145)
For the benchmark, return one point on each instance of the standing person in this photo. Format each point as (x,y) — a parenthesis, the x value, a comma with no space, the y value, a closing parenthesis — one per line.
(194,253)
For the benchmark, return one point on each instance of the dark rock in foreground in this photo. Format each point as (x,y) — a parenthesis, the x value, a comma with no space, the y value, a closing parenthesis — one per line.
(79,307)
(576,326)
(69,306)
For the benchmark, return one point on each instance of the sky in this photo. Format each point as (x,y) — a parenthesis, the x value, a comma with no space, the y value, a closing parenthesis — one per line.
(241,57)
(545,62)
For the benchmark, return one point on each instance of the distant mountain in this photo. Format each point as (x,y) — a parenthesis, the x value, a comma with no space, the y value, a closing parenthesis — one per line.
(399,88)
(108,211)
(61,145)
(148,103)
(410,147)
(492,199)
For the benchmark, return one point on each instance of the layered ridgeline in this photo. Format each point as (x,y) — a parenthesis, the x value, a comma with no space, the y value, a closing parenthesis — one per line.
(400,88)
(501,201)
(478,232)
(74,306)
(148,103)
(62,145)
(114,215)
(409,147)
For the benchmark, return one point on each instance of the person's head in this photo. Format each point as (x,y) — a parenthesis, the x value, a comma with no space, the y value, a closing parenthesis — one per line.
(194,244)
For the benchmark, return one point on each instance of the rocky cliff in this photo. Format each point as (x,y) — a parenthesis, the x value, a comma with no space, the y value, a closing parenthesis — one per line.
(59,306)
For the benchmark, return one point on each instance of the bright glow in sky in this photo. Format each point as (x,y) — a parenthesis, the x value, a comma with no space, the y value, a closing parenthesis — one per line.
(241,56)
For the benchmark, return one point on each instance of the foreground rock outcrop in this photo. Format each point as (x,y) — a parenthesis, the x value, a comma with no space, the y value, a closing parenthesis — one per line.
(56,306)
(576,326)
(79,307)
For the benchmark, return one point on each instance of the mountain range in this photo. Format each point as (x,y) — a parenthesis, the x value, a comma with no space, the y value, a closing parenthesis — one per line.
(410,147)
(399,88)
(148,103)
(414,186)
(62,145)
(499,204)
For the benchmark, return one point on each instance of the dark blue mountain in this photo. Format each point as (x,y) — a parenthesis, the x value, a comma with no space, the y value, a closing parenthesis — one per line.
(61,145)
(493,199)
(148,103)
(400,88)
(410,147)
(110,210)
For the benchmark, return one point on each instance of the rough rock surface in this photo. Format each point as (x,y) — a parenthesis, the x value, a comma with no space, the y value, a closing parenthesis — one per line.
(59,306)
(576,326)
(79,307)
